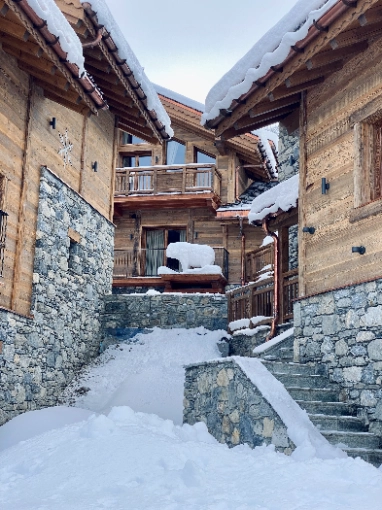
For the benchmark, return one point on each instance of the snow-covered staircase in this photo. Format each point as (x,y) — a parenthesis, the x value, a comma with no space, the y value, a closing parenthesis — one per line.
(337,421)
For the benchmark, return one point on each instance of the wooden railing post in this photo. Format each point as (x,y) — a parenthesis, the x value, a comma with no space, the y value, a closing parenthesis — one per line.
(184,179)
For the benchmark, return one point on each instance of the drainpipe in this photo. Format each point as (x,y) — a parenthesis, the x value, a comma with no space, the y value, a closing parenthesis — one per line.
(242,277)
(276,314)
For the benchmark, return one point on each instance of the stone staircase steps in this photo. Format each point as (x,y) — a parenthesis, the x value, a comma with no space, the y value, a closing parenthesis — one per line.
(352,439)
(301,380)
(329,408)
(321,394)
(345,423)
(372,456)
(281,367)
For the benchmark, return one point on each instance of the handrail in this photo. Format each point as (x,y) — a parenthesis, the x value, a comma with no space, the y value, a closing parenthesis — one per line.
(3,232)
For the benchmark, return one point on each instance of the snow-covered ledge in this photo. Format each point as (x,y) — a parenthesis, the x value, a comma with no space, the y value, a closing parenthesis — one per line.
(242,402)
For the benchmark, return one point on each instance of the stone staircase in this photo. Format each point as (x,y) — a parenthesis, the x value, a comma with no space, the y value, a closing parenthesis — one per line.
(312,390)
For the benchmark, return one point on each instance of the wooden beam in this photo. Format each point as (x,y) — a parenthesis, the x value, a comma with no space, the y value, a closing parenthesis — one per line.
(94,53)
(266,106)
(79,108)
(285,91)
(245,125)
(139,131)
(38,63)
(14,29)
(332,55)
(249,120)
(102,75)
(356,35)
(27,46)
(131,114)
(100,65)
(56,80)
(69,95)
(258,123)
(308,75)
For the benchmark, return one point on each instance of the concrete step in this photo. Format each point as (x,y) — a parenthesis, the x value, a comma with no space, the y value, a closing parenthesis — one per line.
(330,408)
(286,353)
(364,440)
(372,456)
(321,394)
(339,423)
(289,368)
(302,381)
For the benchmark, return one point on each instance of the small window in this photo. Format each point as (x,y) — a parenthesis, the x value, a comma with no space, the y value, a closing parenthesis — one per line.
(136,160)
(204,175)
(127,138)
(203,157)
(175,153)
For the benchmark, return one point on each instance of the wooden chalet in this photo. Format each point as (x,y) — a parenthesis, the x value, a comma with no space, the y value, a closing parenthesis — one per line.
(180,191)
(47,107)
(329,88)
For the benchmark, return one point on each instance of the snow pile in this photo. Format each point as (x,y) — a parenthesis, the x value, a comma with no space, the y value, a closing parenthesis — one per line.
(130,460)
(245,323)
(272,49)
(105,18)
(147,375)
(48,11)
(308,440)
(250,331)
(276,340)
(191,255)
(198,270)
(267,240)
(284,196)
(179,98)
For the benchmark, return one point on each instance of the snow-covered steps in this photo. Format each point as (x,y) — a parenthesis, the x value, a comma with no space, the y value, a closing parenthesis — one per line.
(322,394)
(372,456)
(345,439)
(344,423)
(327,408)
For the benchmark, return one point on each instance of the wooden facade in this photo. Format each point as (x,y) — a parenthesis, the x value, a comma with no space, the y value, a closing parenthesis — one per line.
(49,118)
(332,78)
(172,200)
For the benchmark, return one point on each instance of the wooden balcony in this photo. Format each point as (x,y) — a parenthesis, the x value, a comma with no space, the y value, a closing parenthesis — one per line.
(168,187)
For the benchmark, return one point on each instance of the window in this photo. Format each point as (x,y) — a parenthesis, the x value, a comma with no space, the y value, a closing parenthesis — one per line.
(175,153)
(157,241)
(138,181)
(127,138)
(136,160)
(204,176)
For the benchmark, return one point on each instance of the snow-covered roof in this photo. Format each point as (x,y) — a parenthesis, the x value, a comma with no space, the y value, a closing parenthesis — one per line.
(60,27)
(105,18)
(271,50)
(284,196)
(179,98)
(265,135)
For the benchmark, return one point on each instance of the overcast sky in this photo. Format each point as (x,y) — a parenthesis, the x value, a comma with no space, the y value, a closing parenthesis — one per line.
(187,46)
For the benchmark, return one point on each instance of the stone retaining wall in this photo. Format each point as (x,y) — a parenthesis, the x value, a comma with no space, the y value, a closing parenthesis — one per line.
(235,412)
(123,313)
(342,330)
(40,355)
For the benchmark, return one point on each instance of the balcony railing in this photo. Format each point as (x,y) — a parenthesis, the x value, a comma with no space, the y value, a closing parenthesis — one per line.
(3,232)
(257,299)
(168,179)
(145,263)
(259,261)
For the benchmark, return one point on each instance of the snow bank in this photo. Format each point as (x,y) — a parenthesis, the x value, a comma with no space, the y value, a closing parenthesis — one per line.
(267,240)
(105,18)
(251,331)
(284,196)
(191,255)
(130,460)
(60,27)
(276,340)
(34,423)
(198,270)
(272,49)
(147,375)
(245,323)
(307,438)
(179,98)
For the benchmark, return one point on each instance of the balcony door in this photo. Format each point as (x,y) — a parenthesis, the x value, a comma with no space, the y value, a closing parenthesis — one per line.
(157,241)
(204,177)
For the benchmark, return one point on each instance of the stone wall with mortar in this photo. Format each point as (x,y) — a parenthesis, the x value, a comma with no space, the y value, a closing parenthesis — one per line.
(342,330)
(124,313)
(41,354)
(288,153)
(235,412)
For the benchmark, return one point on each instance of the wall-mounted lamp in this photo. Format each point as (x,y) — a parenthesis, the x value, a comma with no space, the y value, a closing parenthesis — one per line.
(52,123)
(131,237)
(156,160)
(95,166)
(324,186)
(358,249)
(309,230)
(196,234)
(292,161)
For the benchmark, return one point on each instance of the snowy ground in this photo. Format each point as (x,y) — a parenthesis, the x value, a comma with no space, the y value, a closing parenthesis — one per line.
(70,459)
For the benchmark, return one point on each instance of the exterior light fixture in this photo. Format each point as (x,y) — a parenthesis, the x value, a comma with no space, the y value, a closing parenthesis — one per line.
(309,230)
(358,249)
(324,186)
(196,234)
(95,166)
(52,123)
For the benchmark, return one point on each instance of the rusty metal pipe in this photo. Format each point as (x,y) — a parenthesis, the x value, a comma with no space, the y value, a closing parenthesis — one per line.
(276,314)
(242,259)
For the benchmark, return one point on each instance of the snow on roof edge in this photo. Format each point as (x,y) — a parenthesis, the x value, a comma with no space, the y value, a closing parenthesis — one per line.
(284,196)
(272,49)
(59,26)
(179,98)
(105,18)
